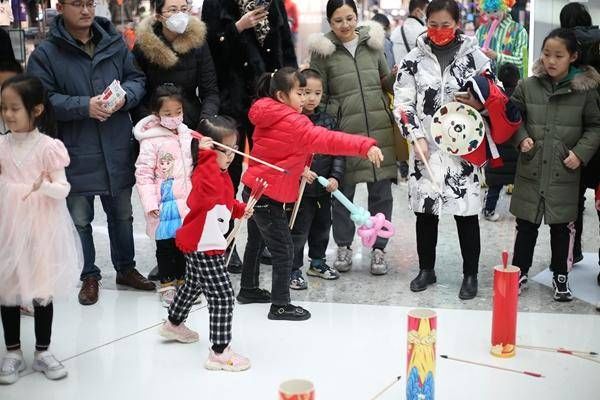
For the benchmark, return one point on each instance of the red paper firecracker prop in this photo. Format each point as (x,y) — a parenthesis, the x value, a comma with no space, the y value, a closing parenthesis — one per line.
(504,314)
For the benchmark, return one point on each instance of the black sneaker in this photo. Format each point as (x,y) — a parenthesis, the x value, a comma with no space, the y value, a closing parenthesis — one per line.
(577,258)
(248,296)
(288,313)
(562,291)
(523,280)
(598,279)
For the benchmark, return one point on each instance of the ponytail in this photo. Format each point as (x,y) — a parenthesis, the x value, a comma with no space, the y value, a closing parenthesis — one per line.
(283,80)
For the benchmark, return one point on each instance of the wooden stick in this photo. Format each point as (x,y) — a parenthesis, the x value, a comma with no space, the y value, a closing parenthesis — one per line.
(385,389)
(420,152)
(255,195)
(589,358)
(198,136)
(258,160)
(558,350)
(534,374)
(297,205)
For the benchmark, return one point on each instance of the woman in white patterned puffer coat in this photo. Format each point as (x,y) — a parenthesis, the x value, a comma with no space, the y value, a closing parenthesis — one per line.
(427,79)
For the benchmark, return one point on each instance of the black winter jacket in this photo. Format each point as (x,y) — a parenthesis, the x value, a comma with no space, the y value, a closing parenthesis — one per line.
(239,58)
(187,63)
(325,165)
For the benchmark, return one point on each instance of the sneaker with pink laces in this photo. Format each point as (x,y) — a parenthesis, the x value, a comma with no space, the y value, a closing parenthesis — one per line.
(180,333)
(226,361)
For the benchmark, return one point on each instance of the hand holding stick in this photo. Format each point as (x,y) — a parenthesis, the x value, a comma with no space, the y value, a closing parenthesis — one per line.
(418,149)
(258,160)
(255,195)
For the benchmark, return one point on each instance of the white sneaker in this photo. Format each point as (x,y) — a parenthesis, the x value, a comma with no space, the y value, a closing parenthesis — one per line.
(378,264)
(46,363)
(166,295)
(343,262)
(12,365)
(180,333)
(491,216)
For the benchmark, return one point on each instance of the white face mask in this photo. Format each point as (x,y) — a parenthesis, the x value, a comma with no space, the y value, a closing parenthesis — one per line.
(177,22)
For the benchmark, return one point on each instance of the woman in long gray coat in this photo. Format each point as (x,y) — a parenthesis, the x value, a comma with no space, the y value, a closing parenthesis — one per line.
(352,65)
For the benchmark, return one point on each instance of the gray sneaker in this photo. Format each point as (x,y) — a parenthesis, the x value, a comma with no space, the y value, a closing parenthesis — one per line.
(12,365)
(343,262)
(45,362)
(378,264)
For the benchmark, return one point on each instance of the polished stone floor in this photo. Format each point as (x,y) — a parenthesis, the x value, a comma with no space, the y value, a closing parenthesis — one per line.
(360,287)
(349,351)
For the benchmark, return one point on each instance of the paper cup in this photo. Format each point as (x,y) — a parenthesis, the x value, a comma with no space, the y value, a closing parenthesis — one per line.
(297,389)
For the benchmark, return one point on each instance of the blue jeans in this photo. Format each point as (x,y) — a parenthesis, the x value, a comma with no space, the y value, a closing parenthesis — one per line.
(119,217)
(491,199)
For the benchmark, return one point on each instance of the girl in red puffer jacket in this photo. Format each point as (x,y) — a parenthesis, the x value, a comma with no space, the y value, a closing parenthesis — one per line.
(285,137)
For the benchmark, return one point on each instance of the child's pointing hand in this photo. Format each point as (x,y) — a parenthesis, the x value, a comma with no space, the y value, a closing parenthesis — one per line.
(375,156)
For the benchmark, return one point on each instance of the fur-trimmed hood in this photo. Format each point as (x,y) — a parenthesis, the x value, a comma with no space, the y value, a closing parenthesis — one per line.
(158,52)
(587,79)
(370,32)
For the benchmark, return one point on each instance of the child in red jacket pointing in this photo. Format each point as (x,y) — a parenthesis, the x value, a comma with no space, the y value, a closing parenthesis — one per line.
(285,137)
(201,239)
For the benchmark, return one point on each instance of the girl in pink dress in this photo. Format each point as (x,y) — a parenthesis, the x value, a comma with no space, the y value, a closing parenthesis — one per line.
(40,249)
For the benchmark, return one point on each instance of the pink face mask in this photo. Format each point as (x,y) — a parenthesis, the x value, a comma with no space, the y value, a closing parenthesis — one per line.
(171,122)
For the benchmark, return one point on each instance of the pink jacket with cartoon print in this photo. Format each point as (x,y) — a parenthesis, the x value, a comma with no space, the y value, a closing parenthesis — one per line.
(163,154)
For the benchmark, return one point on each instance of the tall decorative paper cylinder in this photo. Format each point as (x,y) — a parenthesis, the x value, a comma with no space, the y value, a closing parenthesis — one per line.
(420,365)
(504,315)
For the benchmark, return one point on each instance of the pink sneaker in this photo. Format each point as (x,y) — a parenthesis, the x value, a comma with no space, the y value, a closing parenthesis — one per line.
(226,361)
(179,333)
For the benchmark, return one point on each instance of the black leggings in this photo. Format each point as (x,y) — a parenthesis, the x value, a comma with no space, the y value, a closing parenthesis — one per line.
(468,236)
(11,322)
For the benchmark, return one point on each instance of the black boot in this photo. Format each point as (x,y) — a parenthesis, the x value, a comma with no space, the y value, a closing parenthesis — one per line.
(468,289)
(426,277)
(235,264)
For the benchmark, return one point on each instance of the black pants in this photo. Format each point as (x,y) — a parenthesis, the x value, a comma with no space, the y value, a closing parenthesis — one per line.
(269,225)
(313,223)
(11,322)
(468,236)
(171,261)
(577,249)
(561,245)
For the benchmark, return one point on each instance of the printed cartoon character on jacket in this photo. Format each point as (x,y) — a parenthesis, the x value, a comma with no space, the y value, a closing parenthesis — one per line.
(163,171)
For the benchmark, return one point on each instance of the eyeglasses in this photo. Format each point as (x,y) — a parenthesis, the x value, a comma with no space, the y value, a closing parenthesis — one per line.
(90,5)
(227,153)
(174,10)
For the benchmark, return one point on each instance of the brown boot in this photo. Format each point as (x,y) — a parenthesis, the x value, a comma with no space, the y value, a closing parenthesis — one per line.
(134,279)
(88,294)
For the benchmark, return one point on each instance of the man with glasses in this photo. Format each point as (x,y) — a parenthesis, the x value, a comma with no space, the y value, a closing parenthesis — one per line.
(82,56)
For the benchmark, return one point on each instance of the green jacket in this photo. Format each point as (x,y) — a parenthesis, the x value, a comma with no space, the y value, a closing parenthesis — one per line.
(558,117)
(353,92)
